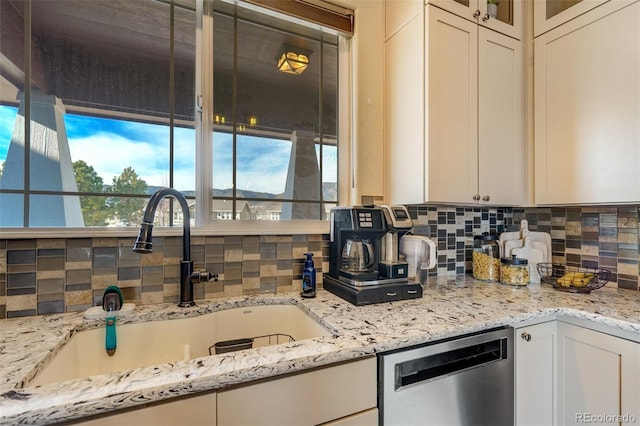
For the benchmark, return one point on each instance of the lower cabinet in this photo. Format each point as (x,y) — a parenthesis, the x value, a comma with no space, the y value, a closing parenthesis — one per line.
(192,410)
(598,377)
(309,398)
(567,374)
(535,374)
(340,395)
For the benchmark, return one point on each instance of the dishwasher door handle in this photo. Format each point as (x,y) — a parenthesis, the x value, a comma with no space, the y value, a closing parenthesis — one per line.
(452,361)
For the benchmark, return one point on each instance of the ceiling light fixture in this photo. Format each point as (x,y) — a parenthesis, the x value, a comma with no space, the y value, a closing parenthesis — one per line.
(293,60)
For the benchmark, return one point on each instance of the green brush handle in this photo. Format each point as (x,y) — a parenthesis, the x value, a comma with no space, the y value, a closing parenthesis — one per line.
(111,340)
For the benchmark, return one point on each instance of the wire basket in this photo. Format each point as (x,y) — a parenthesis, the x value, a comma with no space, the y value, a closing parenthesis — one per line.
(249,343)
(573,279)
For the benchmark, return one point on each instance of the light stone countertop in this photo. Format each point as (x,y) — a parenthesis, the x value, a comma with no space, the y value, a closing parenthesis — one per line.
(450,307)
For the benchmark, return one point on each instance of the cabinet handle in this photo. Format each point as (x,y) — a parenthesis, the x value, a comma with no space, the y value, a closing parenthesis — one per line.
(485,18)
(486,198)
(526,336)
(476,14)
(476,197)
(392,293)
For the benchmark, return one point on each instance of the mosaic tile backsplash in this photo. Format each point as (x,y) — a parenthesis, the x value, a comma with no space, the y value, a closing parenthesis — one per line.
(43,276)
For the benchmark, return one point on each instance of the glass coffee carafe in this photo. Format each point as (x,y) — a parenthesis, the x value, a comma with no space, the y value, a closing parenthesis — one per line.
(358,255)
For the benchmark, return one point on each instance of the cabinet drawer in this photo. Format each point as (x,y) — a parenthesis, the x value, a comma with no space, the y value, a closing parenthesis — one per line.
(313,397)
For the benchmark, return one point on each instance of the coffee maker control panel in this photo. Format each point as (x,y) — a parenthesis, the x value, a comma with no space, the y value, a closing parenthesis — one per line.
(365,219)
(360,218)
(397,217)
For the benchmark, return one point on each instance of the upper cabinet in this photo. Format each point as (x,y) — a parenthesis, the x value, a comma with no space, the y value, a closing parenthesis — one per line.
(475,132)
(453,112)
(548,14)
(587,108)
(504,16)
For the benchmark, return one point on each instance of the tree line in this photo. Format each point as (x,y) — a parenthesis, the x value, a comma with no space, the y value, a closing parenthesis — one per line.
(99,210)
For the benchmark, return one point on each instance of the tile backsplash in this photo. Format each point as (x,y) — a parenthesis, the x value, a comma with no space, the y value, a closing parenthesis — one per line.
(42,276)
(597,237)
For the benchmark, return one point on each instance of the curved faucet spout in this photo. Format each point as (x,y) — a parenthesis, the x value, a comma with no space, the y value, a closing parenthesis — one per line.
(144,243)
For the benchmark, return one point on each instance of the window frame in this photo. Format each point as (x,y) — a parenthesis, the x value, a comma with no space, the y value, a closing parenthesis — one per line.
(205,224)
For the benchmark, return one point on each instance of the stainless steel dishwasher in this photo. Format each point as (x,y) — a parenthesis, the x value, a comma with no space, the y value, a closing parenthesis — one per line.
(463,381)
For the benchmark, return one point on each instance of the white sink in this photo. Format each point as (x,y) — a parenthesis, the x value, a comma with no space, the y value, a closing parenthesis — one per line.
(156,342)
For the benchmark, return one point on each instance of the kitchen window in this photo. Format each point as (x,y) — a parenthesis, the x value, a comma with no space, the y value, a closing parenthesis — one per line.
(111,113)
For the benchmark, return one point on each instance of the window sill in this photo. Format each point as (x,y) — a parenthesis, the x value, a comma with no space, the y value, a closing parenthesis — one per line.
(222,228)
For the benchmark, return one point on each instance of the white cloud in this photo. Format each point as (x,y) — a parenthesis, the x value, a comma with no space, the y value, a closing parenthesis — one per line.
(110,154)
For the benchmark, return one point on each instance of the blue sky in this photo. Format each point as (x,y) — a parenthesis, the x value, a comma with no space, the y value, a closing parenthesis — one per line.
(111,145)
(7,120)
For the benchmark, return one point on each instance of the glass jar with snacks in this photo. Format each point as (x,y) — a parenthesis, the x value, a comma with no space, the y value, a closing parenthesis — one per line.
(486,257)
(514,271)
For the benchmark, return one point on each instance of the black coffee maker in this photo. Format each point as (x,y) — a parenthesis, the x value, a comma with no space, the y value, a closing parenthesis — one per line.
(355,232)
(354,258)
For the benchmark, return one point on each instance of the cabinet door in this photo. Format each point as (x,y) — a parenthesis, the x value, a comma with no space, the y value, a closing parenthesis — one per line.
(452,113)
(536,354)
(548,14)
(598,375)
(587,108)
(500,119)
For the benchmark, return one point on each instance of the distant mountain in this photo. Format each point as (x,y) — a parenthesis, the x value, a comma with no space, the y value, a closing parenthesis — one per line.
(330,191)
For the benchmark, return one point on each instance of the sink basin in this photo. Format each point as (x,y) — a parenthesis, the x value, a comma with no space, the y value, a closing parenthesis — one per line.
(156,342)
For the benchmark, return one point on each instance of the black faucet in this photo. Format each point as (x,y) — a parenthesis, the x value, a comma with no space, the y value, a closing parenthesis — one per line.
(143,244)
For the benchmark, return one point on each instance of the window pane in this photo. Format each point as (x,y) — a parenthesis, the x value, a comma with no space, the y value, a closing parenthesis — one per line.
(45,210)
(12,217)
(104,117)
(262,166)
(267,123)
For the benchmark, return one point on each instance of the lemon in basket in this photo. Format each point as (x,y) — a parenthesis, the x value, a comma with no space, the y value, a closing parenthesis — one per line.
(575,279)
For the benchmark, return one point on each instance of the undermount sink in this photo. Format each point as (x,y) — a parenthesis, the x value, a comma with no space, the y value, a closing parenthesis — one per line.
(150,343)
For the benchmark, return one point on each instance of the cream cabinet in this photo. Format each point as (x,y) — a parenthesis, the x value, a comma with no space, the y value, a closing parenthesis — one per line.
(475,132)
(587,108)
(506,16)
(191,410)
(536,368)
(568,374)
(453,113)
(548,14)
(598,377)
(344,394)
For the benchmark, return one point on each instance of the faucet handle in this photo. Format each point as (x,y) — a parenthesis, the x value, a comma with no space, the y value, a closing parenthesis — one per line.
(202,276)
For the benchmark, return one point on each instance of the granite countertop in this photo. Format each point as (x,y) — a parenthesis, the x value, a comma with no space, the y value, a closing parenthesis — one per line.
(450,307)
